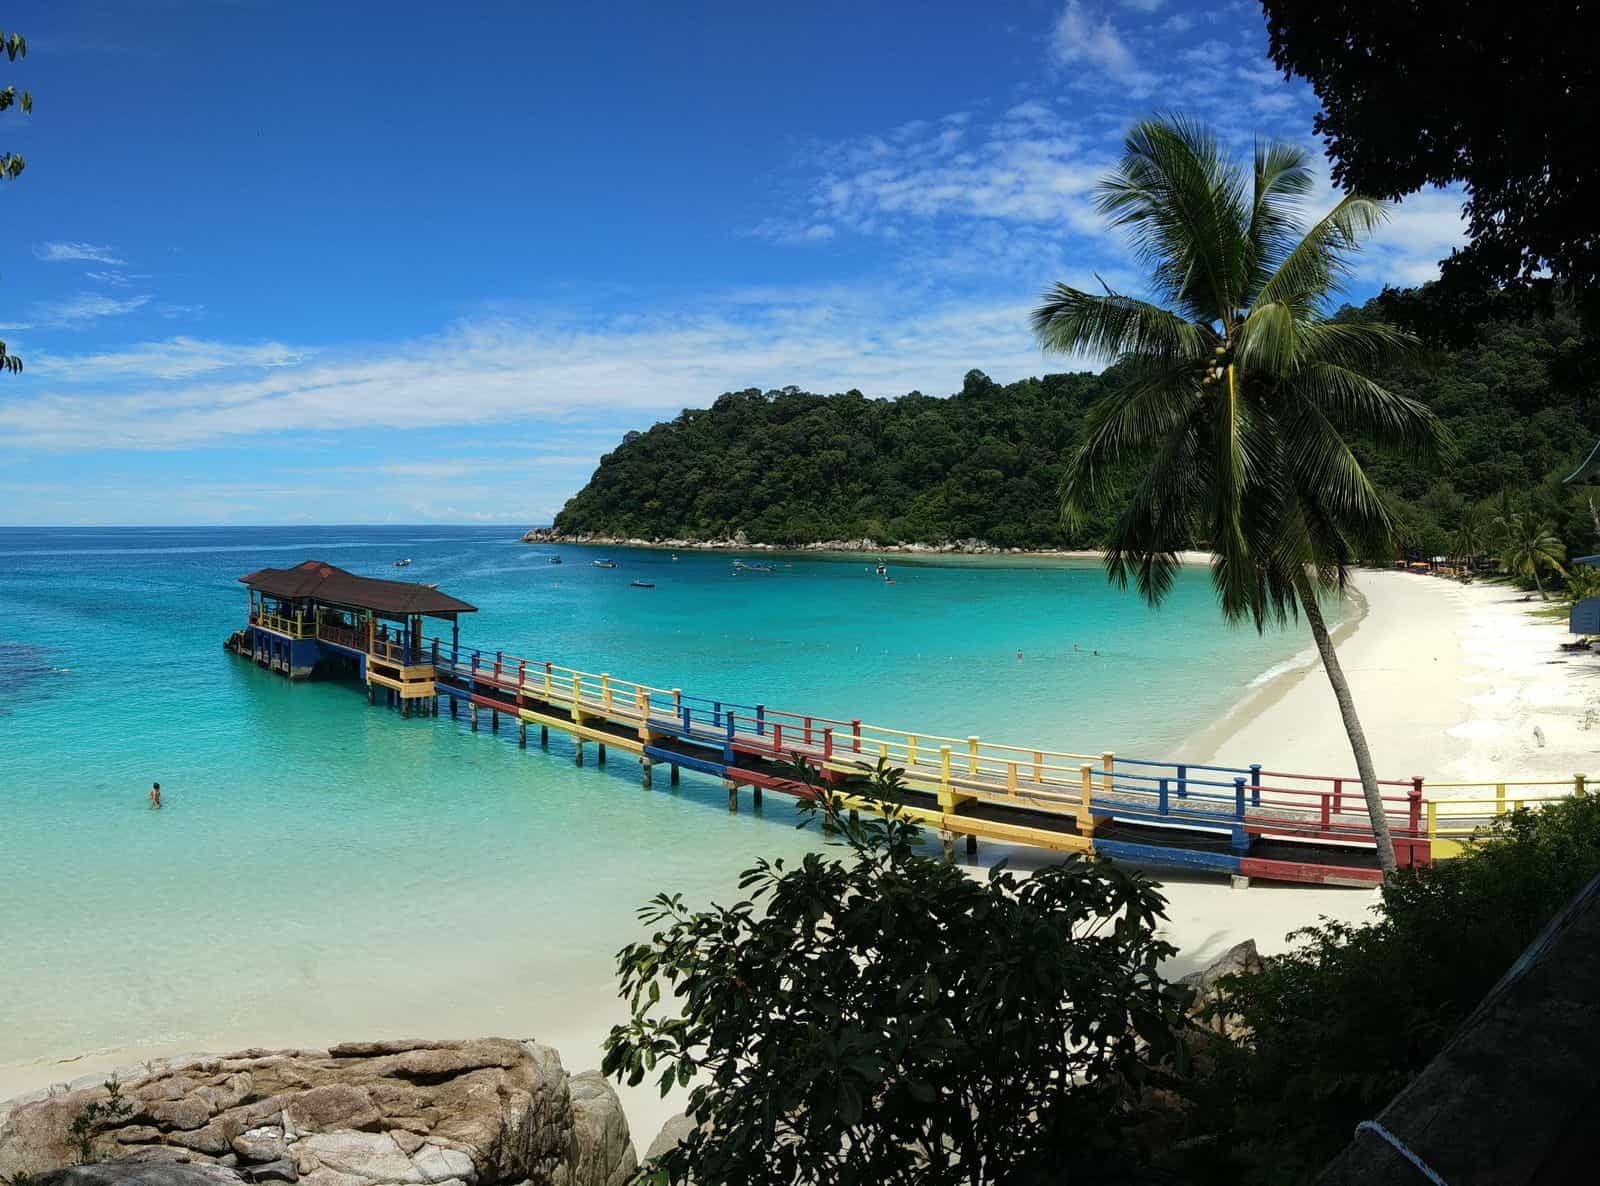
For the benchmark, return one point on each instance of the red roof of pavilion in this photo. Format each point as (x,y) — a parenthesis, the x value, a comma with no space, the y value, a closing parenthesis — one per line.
(323,582)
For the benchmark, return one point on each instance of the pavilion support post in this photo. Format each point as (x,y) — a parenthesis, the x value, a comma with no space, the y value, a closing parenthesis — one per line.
(646,773)
(577,752)
(452,708)
(494,725)
(733,794)
(522,735)
(676,770)
(372,694)
(949,841)
(755,795)
(600,754)
(972,845)
(544,735)
(474,718)
(405,707)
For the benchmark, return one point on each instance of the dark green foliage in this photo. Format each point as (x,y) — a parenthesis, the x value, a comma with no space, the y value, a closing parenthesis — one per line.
(885,1018)
(11,164)
(1518,427)
(789,467)
(1492,93)
(1346,1020)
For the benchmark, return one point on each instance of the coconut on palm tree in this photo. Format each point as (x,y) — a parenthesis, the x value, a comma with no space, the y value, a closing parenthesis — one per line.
(1238,390)
(1530,549)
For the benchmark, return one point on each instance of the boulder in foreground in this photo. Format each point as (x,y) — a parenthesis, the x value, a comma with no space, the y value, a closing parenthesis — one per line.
(475,1112)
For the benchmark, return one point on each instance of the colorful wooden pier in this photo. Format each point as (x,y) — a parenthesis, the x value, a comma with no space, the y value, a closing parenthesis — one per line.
(1245,821)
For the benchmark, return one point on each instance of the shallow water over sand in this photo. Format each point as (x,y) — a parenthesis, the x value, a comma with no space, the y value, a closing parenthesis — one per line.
(325,868)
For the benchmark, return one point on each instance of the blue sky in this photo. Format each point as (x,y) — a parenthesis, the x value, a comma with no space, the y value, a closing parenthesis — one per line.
(276,262)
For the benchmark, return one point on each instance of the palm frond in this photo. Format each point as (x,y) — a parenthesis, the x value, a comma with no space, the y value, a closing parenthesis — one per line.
(1156,521)
(1184,206)
(1318,264)
(1392,423)
(1359,345)
(1152,405)
(1283,180)
(1108,326)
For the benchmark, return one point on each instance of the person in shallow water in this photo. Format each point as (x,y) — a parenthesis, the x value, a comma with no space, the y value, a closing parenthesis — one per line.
(155,796)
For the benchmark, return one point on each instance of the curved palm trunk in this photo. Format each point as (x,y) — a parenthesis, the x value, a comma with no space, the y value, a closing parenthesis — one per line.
(1543,596)
(1352,724)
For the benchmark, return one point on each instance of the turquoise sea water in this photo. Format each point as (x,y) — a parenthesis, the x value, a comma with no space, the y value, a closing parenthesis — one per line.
(323,868)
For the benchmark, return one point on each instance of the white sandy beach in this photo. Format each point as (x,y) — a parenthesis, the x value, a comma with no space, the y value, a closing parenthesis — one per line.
(1455,683)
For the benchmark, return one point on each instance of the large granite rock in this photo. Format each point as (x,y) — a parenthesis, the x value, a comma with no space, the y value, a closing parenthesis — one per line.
(672,1135)
(1242,959)
(476,1113)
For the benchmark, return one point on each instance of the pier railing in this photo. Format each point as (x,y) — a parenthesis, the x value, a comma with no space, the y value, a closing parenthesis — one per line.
(295,627)
(1239,802)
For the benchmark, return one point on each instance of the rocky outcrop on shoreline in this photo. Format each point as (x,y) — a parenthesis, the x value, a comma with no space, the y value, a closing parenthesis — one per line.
(739,542)
(468,1113)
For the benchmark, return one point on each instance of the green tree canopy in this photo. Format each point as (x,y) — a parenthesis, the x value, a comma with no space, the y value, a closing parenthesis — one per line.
(1498,95)
(885,1018)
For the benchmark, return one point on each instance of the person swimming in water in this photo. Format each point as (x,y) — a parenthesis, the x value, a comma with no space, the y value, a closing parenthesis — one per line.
(155,796)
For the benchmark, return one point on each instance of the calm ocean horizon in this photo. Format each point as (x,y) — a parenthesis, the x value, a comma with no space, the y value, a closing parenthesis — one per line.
(322,867)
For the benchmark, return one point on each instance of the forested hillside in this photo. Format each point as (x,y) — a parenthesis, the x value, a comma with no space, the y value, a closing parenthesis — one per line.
(790,467)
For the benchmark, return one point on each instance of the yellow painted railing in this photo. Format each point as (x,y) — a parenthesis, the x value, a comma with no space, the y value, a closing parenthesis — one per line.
(1453,818)
(959,768)
(296,627)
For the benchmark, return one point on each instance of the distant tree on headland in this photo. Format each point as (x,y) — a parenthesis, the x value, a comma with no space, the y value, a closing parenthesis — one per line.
(12,164)
(1234,401)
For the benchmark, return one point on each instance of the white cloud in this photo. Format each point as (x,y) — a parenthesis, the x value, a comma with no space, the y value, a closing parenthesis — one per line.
(499,372)
(1421,231)
(1145,6)
(60,252)
(115,279)
(176,358)
(790,232)
(74,312)
(1177,23)
(1028,166)
(1092,42)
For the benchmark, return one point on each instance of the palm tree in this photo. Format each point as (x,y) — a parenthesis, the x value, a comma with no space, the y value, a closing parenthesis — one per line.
(1471,538)
(1530,548)
(1237,388)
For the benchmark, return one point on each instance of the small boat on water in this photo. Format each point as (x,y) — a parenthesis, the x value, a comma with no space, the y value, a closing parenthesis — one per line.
(741,566)
(883,569)
(402,563)
(641,584)
(555,560)
(605,563)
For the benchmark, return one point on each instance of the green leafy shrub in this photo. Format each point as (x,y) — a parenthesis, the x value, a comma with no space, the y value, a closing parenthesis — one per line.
(887,1018)
(1336,1027)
